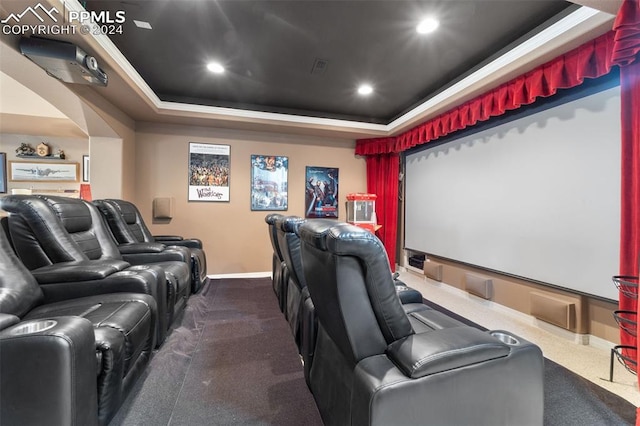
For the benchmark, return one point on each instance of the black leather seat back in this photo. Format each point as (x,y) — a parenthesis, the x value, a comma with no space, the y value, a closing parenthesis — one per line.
(125,221)
(85,224)
(289,244)
(19,291)
(66,229)
(38,235)
(271,220)
(347,273)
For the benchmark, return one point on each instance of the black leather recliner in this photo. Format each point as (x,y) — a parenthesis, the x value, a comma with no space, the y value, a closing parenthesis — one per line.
(50,232)
(69,362)
(299,309)
(279,269)
(371,367)
(289,244)
(130,231)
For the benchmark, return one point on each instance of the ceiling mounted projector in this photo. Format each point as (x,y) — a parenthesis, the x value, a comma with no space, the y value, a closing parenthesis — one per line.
(64,61)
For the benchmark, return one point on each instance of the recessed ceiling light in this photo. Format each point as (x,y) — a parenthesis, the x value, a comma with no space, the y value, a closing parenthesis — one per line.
(365,89)
(142,24)
(215,67)
(428,25)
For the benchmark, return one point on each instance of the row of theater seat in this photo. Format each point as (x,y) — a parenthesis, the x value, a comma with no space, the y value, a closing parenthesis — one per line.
(374,354)
(86,295)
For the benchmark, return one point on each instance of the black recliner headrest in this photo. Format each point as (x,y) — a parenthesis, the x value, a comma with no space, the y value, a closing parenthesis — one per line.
(348,275)
(75,216)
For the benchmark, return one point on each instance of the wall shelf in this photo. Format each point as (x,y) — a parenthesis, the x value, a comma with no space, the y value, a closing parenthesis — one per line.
(46,157)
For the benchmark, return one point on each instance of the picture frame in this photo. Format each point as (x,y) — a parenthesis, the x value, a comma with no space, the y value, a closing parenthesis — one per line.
(321,192)
(269,182)
(209,171)
(35,171)
(85,168)
(3,172)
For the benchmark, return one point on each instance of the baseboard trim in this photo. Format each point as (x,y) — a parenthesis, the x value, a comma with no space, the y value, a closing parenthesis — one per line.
(266,274)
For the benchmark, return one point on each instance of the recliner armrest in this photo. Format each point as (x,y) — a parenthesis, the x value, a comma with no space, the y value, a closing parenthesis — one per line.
(135,248)
(61,390)
(168,237)
(86,270)
(419,355)
(7,320)
(174,240)
(168,254)
(147,279)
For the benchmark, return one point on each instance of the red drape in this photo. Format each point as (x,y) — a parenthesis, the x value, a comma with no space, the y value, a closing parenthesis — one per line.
(382,180)
(626,49)
(625,54)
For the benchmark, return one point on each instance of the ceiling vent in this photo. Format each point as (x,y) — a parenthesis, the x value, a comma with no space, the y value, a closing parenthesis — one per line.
(319,66)
(64,61)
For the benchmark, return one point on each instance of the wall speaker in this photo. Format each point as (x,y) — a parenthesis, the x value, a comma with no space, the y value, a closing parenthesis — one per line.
(163,208)
(478,285)
(433,270)
(552,310)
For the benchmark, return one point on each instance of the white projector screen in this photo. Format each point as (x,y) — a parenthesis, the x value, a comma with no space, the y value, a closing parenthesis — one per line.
(538,197)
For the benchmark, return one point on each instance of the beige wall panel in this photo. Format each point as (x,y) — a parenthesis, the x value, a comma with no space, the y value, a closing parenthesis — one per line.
(234,237)
(602,322)
(106,168)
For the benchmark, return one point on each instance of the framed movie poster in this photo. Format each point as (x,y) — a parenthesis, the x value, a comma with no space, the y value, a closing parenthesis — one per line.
(321,195)
(269,183)
(209,172)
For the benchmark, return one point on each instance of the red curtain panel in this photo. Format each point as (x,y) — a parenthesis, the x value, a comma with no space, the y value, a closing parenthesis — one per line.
(625,54)
(626,47)
(382,180)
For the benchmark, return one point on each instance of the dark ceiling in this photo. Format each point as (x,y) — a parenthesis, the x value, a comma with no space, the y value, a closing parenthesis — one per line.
(271,50)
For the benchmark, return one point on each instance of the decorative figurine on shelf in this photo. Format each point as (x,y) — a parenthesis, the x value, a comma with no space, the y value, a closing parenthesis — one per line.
(43,149)
(25,150)
(60,154)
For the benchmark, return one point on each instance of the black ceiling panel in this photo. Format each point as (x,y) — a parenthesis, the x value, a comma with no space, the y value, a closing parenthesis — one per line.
(308,57)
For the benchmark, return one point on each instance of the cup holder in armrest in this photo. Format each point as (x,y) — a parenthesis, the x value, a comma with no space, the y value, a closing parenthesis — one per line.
(505,338)
(34,327)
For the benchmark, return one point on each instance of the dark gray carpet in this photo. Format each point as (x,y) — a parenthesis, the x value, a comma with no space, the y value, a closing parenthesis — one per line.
(230,360)
(570,399)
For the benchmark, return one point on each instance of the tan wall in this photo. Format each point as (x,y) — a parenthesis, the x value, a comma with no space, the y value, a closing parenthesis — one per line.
(235,238)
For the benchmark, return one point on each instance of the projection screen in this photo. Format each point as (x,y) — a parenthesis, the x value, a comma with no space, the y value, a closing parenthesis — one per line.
(538,197)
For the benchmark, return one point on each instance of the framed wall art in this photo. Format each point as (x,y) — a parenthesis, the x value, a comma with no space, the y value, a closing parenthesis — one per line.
(85,168)
(33,171)
(209,167)
(3,172)
(269,184)
(321,192)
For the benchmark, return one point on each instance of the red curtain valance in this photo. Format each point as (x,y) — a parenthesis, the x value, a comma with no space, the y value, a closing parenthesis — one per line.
(627,34)
(592,59)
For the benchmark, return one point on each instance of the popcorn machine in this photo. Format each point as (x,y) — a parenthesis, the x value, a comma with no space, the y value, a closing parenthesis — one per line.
(361,211)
